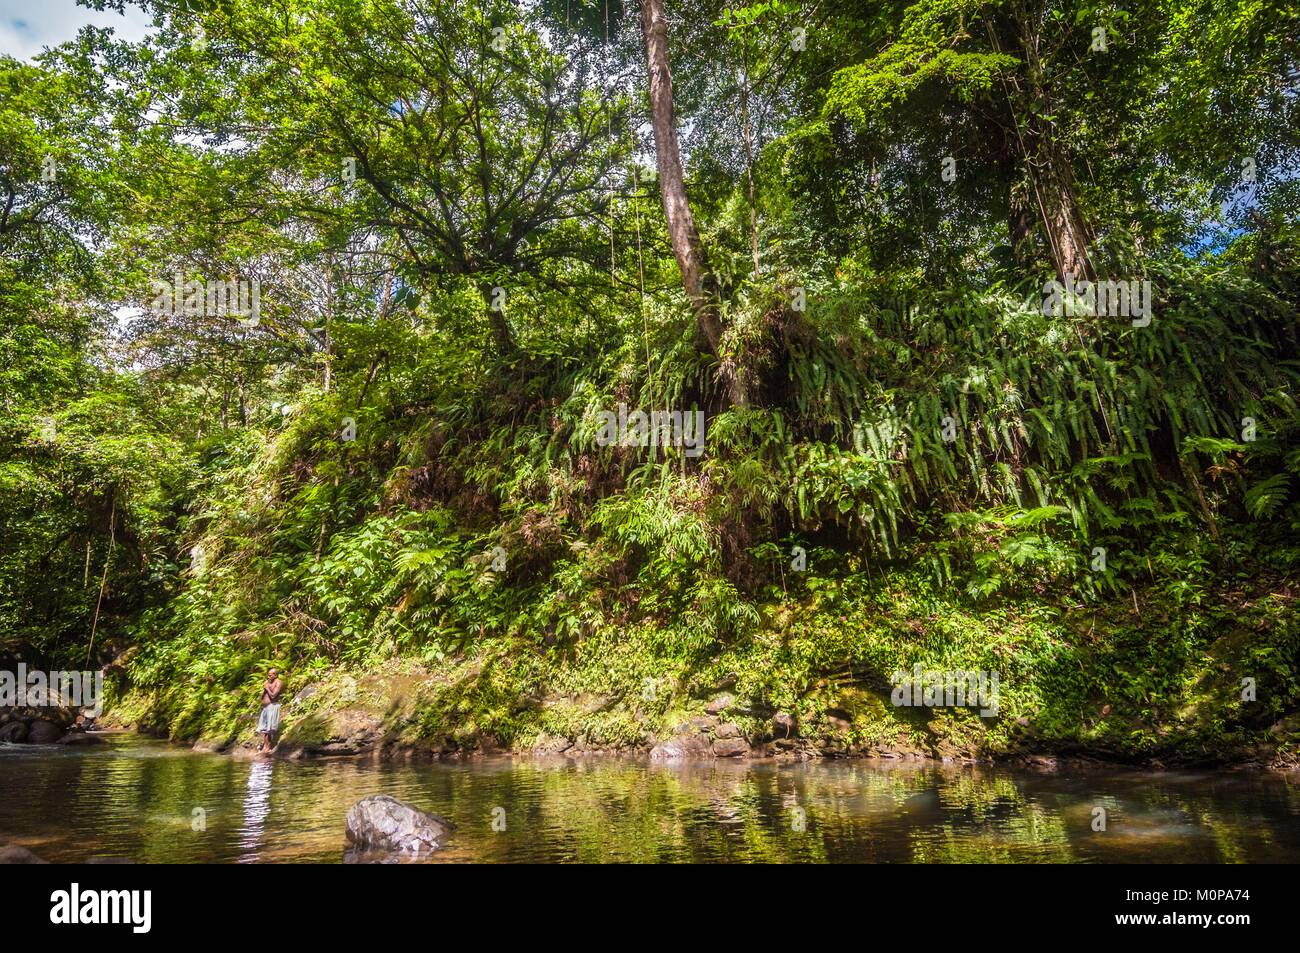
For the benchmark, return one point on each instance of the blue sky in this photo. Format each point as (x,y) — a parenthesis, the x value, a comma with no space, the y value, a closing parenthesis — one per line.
(28,26)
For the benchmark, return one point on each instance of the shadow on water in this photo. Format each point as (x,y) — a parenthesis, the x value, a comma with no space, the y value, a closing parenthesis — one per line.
(146,800)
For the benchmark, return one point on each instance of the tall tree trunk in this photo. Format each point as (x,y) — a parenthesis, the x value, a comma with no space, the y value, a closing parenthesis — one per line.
(502,336)
(696,276)
(747,134)
(331,299)
(1066,232)
(1047,165)
(1041,183)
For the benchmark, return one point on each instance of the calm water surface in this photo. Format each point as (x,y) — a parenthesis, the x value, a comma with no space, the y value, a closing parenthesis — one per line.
(134,797)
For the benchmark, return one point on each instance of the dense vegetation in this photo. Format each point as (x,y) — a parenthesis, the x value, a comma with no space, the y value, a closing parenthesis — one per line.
(474,229)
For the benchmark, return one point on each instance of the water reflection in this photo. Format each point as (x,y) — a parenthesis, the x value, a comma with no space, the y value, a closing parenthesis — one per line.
(257,806)
(133,798)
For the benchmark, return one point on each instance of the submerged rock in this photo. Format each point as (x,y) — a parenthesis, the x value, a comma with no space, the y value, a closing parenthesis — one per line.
(79,738)
(13,854)
(381,822)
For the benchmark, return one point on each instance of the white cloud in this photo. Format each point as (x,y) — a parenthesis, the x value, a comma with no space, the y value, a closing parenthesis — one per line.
(26,28)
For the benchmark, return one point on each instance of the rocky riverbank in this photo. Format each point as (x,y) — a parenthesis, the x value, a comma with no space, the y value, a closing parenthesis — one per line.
(44,726)
(403,711)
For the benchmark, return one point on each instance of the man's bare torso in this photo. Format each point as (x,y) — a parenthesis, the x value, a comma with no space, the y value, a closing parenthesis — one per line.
(271,691)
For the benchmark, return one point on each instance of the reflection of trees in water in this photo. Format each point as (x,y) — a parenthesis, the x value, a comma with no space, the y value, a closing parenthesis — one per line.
(1034,834)
(1248,835)
(601,809)
(625,811)
(1205,818)
(138,805)
(762,814)
(980,793)
(1244,833)
(170,785)
(606,809)
(126,798)
(930,813)
(718,811)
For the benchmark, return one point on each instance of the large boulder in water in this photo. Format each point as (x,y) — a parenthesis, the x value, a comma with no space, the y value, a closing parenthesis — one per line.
(380,822)
(683,747)
(41,732)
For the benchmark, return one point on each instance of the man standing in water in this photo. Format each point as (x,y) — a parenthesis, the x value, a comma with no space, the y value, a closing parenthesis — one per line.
(268,722)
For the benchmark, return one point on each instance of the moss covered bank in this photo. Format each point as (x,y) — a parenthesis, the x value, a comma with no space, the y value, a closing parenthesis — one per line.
(1145,680)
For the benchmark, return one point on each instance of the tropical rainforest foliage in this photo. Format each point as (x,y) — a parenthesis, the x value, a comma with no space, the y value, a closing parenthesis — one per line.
(476,226)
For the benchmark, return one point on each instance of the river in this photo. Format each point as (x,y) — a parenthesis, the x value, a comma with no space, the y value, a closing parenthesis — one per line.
(149,801)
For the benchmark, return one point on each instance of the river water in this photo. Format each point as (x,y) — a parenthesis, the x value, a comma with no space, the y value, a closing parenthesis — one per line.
(149,801)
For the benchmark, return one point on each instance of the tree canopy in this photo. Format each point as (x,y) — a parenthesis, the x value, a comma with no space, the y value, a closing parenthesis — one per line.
(310,311)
